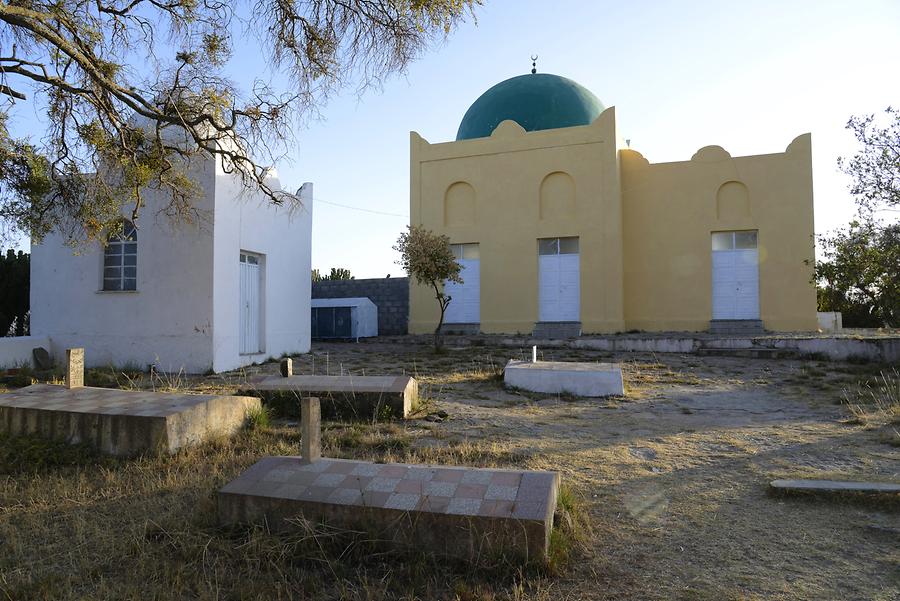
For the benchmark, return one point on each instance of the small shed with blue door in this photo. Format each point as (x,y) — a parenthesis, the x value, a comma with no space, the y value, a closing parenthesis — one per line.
(345,318)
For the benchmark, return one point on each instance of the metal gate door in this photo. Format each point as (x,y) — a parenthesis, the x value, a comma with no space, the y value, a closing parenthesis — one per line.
(735,276)
(249,307)
(465,303)
(559,280)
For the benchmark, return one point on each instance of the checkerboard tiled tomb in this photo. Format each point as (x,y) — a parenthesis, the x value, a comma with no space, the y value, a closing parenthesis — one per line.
(121,422)
(453,511)
(346,397)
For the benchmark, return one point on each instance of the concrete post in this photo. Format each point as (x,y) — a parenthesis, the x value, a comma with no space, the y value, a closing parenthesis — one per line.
(286,367)
(74,367)
(310,429)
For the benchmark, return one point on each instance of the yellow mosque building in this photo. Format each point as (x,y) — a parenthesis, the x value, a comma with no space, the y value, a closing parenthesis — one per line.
(563,230)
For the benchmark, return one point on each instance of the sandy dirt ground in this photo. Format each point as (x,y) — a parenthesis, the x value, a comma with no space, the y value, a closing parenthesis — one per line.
(672,478)
(675,474)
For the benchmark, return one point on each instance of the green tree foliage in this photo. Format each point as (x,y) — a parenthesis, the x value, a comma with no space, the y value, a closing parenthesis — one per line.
(427,258)
(337,273)
(132,90)
(859,270)
(859,274)
(14,291)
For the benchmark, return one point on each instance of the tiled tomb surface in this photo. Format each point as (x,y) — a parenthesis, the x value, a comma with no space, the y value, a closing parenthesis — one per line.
(559,377)
(455,511)
(121,422)
(346,397)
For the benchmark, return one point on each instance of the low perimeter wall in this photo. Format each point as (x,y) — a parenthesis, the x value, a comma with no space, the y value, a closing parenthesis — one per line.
(882,350)
(16,351)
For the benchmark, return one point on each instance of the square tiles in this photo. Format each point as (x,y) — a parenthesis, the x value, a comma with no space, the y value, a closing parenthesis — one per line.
(477,477)
(355,482)
(434,504)
(393,471)
(448,475)
(345,496)
(406,502)
(471,491)
(484,493)
(365,469)
(415,487)
(374,498)
(501,493)
(419,473)
(440,489)
(506,478)
(383,484)
(330,480)
(341,467)
(460,506)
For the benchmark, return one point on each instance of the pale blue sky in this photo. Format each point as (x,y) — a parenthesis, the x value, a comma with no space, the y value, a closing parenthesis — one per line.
(749,76)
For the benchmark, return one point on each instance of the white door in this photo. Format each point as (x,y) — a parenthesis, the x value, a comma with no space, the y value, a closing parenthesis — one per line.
(735,275)
(559,277)
(249,307)
(465,303)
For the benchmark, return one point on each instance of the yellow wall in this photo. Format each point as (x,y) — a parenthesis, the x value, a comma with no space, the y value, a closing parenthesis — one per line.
(670,211)
(644,229)
(504,176)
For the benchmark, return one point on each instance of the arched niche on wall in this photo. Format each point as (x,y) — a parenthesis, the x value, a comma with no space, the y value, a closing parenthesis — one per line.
(557,196)
(459,204)
(732,202)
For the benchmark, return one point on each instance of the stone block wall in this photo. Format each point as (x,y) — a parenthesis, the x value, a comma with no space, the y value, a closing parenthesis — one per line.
(390,295)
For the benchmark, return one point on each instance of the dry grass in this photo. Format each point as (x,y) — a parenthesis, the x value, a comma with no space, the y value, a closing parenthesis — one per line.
(666,493)
(103,528)
(875,403)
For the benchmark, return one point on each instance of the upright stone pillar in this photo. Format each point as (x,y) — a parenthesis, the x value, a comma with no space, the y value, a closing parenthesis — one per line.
(286,367)
(310,429)
(74,368)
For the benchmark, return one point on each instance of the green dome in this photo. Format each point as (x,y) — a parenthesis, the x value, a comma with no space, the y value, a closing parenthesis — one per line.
(534,101)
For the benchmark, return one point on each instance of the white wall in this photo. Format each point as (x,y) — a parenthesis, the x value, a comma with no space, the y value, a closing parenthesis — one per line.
(167,321)
(283,235)
(15,351)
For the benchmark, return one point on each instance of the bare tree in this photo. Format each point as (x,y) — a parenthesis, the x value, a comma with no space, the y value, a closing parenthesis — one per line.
(128,108)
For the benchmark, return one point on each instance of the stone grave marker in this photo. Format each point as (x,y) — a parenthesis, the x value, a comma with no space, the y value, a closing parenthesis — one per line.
(41,358)
(286,367)
(310,429)
(74,368)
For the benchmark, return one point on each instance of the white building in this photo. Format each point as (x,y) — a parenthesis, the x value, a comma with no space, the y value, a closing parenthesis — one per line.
(229,290)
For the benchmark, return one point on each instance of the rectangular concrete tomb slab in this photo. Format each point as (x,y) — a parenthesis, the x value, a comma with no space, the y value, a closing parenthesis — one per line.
(454,511)
(121,422)
(559,377)
(348,397)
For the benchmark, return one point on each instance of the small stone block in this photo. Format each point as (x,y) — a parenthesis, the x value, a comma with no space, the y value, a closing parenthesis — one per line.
(310,429)
(41,358)
(286,367)
(74,368)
